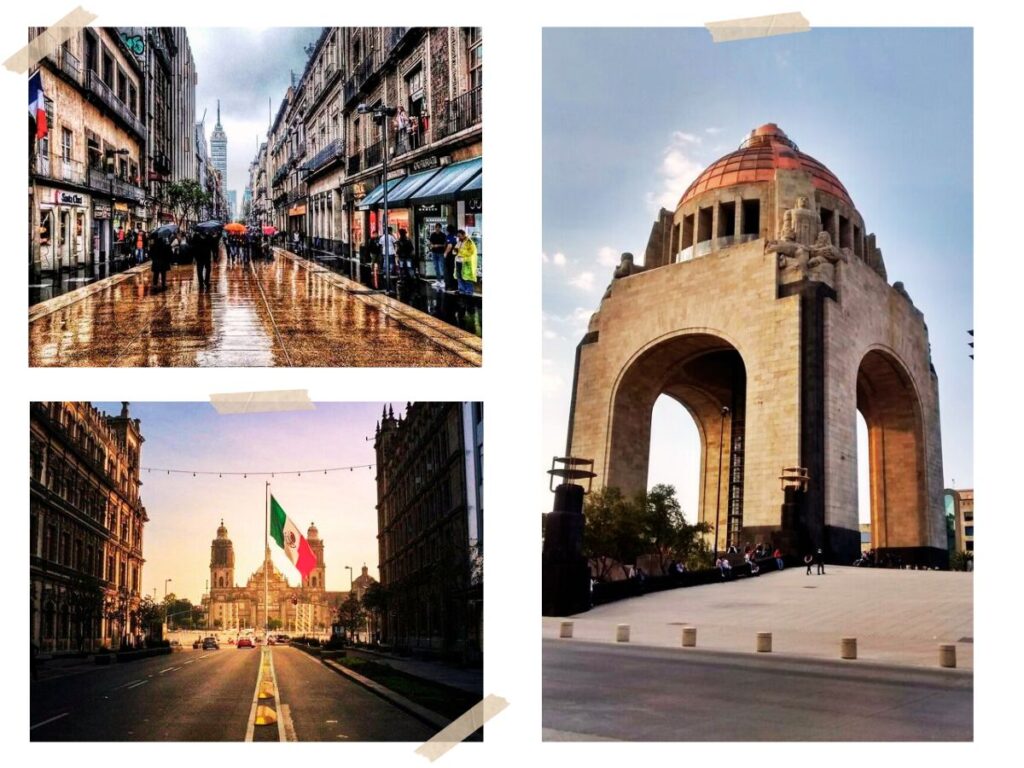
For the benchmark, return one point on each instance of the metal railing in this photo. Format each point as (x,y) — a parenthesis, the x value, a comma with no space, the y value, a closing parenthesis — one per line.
(331,152)
(113,103)
(395,36)
(459,114)
(60,169)
(373,154)
(69,64)
(99,181)
(355,163)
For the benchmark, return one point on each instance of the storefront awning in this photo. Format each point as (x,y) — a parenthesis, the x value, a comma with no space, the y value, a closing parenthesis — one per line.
(377,195)
(449,181)
(476,184)
(399,196)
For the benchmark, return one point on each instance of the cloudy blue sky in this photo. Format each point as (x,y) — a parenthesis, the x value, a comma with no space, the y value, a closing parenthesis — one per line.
(244,67)
(632,116)
(184,511)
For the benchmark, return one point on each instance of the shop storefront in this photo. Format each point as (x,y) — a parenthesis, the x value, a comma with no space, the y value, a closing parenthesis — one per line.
(62,229)
(297,219)
(102,215)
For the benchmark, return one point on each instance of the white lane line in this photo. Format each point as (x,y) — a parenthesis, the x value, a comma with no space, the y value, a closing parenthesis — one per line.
(136,685)
(284,714)
(203,657)
(166,670)
(189,662)
(251,727)
(58,717)
(277,701)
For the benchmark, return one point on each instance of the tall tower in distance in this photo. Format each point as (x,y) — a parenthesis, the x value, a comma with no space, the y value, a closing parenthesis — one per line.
(222,561)
(315,580)
(219,149)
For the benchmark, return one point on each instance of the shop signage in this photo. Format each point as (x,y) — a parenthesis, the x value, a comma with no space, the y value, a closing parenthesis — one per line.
(67,198)
(298,210)
(426,163)
(475,205)
(428,210)
(141,212)
(101,210)
(121,207)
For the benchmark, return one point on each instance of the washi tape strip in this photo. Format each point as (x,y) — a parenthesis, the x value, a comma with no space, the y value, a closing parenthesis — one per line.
(49,40)
(757,26)
(457,730)
(262,402)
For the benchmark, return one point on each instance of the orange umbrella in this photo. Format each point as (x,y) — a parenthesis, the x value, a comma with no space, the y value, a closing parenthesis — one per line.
(234,228)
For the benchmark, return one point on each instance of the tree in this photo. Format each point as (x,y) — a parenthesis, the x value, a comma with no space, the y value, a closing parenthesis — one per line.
(669,535)
(351,615)
(150,613)
(375,602)
(186,198)
(218,624)
(274,624)
(614,531)
(85,598)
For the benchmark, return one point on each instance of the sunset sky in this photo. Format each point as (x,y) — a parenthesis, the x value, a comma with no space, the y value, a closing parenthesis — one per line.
(184,511)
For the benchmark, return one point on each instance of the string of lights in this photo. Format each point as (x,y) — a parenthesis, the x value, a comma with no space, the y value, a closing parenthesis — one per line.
(265,473)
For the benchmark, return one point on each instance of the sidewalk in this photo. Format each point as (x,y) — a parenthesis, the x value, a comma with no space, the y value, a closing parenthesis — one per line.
(469,680)
(63,666)
(898,617)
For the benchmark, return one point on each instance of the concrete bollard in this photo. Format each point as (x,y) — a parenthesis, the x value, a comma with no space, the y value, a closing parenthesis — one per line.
(764,642)
(848,648)
(947,656)
(566,629)
(689,637)
(622,633)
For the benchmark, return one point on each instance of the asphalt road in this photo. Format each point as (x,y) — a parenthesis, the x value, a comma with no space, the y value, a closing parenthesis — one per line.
(633,693)
(208,696)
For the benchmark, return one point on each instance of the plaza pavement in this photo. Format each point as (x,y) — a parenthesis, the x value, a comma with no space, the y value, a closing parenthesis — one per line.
(898,617)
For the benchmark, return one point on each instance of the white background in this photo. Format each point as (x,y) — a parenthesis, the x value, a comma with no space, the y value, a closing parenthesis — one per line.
(509,381)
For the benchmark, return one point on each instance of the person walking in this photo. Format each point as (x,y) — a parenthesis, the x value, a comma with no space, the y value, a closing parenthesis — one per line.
(405,253)
(387,249)
(204,245)
(438,244)
(808,559)
(466,264)
(140,245)
(160,253)
(819,560)
(777,554)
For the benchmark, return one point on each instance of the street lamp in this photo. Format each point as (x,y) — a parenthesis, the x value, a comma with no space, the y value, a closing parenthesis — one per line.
(350,580)
(166,581)
(380,115)
(718,502)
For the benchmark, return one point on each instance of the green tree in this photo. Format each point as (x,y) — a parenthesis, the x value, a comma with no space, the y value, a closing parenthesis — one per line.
(218,624)
(186,199)
(274,624)
(614,532)
(351,615)
(669,536)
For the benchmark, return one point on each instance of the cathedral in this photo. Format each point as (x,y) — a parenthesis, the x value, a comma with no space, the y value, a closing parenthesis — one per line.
(306,607)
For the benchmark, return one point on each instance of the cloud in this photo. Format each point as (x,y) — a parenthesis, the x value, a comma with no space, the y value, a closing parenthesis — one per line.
(583,280)
(558,259)
(608,257)
(678,168)
(713,131)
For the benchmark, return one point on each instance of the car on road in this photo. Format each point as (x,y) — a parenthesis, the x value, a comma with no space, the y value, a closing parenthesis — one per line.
(282,639)
(244,642)
(210,644)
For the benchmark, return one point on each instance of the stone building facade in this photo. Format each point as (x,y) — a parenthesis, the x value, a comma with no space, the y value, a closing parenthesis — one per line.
(768,315)
(325,162)
(430,528)
(307,607)
(86,527)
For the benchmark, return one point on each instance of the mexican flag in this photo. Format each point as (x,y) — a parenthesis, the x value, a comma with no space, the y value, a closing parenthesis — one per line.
(288,538)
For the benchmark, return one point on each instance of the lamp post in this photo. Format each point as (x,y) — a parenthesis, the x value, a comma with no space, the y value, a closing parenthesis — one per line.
(166,581)
(381,113)
(718,501)
(350,580)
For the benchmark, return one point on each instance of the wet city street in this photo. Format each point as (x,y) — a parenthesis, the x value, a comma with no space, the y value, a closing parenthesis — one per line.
(286,312)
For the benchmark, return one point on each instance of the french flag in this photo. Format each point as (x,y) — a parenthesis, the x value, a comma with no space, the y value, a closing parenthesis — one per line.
(37,104)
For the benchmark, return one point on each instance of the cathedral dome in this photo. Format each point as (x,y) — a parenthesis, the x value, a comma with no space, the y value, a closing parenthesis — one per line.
(312,534)
(222,532)
(764,151)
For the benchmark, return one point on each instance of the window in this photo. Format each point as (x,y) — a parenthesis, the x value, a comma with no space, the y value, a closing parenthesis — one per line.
(475,46)
(969,530)
(108,70)
(752,217)
(122,85)
(726,219)
(132,98)
(67,144)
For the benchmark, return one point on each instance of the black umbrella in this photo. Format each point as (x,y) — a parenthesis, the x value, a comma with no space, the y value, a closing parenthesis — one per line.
(165,233)
(209,228)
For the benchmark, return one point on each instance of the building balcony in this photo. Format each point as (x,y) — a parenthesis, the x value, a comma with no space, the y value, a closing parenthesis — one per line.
(354,163)
(60,169)
(297,193)
(326,156)
(394,37)
(67,63)
(109,99)
(705,247)
(373,155)
(280,175)
(459,114)
(100,182)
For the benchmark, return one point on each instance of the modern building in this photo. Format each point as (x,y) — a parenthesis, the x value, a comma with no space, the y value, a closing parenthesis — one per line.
(219,146)
(232,209)
(764,308)
(960,503)
(430,528)
(86,527)
(306,607)
(85,170)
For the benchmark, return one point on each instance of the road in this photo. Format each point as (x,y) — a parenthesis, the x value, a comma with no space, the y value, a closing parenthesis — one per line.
(273,313)
(632,693)
(208,696)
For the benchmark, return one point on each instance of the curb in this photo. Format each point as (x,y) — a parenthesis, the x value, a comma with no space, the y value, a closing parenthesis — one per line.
(420,713)
(48,307)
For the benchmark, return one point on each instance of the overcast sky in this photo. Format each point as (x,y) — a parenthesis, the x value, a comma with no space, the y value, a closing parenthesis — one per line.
(184,511)
(631,117)
(244,67)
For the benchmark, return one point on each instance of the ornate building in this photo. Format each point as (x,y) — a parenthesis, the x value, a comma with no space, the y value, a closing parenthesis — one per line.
(763,306)
(307,607)
(86,524)
(430,528)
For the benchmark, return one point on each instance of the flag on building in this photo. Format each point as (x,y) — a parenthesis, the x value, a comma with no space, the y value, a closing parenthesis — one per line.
(288,538)
(37,104)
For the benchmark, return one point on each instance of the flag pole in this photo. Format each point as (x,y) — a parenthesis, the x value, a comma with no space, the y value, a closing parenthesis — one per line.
(266,564)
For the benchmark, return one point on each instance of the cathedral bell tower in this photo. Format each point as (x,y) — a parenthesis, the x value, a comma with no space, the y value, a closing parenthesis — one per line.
(222,561)
(315,580)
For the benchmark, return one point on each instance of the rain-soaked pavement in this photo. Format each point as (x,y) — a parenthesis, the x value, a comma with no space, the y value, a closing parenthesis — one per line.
(281,312)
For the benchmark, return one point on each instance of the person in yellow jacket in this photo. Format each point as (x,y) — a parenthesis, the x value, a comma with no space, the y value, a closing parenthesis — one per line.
(465,263)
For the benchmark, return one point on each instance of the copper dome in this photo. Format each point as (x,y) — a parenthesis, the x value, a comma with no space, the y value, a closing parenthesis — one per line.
(766,149)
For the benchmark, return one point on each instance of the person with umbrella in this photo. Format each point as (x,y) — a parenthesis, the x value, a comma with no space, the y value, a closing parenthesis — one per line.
(160,253)
(204,244)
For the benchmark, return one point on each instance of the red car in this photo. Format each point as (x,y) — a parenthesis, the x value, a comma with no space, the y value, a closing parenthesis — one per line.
(244,642)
